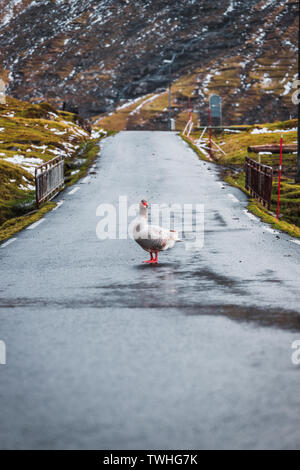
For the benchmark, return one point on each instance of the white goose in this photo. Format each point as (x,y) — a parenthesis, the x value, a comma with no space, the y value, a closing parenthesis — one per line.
(152,238)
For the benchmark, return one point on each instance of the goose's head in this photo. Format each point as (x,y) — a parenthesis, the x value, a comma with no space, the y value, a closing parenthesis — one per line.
(143,208)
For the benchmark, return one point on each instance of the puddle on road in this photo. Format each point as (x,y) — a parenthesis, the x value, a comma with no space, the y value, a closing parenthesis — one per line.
(188,288)
(263,317)
(283,319)
(218,217)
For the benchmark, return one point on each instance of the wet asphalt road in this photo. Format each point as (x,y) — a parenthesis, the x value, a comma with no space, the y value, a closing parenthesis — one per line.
(105,352)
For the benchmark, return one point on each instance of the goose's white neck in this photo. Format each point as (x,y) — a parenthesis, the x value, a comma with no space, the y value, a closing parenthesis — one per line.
(144,212)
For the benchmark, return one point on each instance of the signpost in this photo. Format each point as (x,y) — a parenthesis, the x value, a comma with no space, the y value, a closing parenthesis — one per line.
(215,105)
(169,63)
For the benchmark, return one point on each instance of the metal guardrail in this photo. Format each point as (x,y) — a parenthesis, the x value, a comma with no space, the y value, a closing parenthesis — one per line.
(49,179)
(259,181)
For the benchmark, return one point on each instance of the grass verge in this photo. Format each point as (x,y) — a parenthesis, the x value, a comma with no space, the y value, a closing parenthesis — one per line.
(16,224)
(236,147)
(258,210)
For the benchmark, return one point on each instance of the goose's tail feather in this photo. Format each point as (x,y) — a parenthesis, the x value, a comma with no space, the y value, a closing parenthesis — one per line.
(174,236)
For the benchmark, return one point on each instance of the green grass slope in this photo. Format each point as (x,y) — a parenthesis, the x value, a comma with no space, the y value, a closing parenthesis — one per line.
(29,136)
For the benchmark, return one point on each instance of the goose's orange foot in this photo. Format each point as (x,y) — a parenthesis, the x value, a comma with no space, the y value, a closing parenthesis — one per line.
(152,260)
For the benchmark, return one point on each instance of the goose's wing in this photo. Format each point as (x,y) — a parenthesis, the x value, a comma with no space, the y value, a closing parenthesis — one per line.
(157,232)
(154,238)
(163,237)
(151,238)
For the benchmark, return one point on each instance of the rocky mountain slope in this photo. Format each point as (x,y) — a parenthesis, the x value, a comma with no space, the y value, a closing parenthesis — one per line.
(95,54)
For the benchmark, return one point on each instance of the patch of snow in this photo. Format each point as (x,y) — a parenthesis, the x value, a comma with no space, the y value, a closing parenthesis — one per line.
(9,12)
(261,35)
(57,132)
(53,115)
(29,164)
(61,153)
(28,184)
(140,106)
(266,80)
(127,104)
(290,45)
(230,7)
(207,80)
(260,131)
(97,134)
(41,147)
(276,131)
(243,64)
(79,131)
(267,4)
(287,88)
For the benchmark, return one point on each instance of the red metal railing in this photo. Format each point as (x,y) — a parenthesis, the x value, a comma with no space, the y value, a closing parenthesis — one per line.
(259,181)
(49,179)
